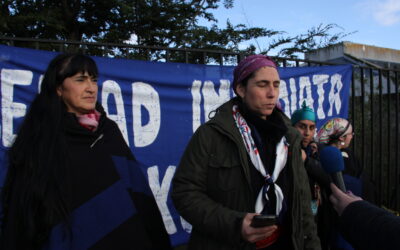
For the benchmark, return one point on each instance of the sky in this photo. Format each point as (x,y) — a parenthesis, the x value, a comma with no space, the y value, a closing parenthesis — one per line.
(375,22)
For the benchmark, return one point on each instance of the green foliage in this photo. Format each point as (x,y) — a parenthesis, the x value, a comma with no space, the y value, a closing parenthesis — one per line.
(165,23)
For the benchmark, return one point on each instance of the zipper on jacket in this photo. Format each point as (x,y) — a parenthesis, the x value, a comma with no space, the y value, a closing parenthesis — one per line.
(95,141)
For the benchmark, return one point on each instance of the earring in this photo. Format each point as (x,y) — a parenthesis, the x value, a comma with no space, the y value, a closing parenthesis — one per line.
(342,143)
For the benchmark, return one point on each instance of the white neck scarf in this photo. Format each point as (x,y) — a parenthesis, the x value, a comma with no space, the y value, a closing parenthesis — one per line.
(280,162)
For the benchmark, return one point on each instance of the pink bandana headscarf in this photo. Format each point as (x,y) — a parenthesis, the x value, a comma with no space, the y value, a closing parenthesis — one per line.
(249,65)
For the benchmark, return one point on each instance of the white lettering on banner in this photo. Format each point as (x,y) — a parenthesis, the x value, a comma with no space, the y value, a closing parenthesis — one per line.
(112,87)
(334,97)
(205,99)
(305,84)
(293,95)
(212,100)
(289,106)
(196,99)
(10,109)
(320,80)
(284,97)
(305,93)
(145,95)
(160,193)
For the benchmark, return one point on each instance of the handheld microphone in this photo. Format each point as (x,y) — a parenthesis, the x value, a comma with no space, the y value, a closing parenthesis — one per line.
(332,162)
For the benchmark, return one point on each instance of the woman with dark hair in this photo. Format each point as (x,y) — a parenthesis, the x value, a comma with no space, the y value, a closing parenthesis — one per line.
(72,181)
(246,161)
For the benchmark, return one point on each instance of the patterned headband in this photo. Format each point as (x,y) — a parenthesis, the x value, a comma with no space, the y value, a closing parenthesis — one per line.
(332,130)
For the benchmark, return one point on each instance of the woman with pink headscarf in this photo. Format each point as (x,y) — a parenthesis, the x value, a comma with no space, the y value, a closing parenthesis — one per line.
(243,162)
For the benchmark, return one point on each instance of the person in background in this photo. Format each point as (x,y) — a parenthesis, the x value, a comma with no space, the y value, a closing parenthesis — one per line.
(304,120)
(313,145)
(338,132)
(72,181)
(364,225)
(244,161)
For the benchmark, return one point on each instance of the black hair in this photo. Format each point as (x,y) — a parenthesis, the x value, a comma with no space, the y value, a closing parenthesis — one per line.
(36,182)
(243,83)
(245,80)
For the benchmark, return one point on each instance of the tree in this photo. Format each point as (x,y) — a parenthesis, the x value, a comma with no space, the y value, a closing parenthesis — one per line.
(166,23)
(315,38)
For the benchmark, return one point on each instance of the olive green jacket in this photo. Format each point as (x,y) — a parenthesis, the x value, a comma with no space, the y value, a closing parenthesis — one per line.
(212,189)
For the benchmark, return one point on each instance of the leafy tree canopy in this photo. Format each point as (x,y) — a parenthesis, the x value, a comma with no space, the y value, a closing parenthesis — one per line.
(166,23)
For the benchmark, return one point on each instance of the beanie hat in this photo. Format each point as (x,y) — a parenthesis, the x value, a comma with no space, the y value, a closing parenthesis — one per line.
(304,113)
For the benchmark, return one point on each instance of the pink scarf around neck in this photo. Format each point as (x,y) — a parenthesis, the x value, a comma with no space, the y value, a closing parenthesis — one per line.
(90,120)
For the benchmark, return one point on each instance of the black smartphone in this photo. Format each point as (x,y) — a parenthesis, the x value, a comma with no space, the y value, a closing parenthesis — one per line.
(263,220)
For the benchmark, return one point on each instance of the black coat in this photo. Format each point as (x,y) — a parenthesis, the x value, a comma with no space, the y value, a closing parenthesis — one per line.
(368,227)
(110,203)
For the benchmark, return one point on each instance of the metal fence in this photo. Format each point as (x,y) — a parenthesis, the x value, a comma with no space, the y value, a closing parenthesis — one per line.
(375,114)
(374,103)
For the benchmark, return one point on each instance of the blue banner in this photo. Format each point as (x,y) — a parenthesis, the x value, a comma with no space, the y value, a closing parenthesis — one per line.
(159,105)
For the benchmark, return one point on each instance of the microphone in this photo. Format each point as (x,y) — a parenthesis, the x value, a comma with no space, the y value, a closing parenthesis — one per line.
(332,162)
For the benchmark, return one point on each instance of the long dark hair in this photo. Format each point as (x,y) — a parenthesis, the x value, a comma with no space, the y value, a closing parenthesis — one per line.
(35,187)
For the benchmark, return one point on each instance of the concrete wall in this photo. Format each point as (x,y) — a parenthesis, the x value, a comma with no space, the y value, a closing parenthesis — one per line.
(362,51)
(372,52)
(326,54)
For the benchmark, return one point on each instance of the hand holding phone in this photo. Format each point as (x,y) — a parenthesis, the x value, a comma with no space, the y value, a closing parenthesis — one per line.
(263,220)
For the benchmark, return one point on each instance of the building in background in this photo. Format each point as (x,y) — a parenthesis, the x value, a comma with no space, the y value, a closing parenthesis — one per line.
(357,54)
